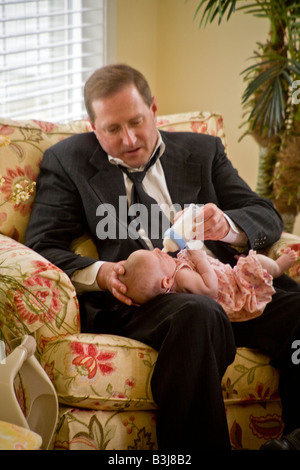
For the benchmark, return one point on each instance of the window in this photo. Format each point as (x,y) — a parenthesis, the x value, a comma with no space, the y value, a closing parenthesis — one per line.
(48,48)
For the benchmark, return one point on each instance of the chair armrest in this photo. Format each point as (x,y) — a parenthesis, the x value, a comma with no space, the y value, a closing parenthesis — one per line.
(101,371)
(285,241)
(34,294)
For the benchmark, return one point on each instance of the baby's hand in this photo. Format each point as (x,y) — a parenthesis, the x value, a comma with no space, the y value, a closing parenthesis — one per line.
(196,256)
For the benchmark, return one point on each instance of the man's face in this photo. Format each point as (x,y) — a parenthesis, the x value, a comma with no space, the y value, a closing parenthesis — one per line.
(125,126)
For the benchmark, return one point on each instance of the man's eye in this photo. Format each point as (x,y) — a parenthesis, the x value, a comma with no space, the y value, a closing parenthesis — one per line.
(137,122)
(112,130)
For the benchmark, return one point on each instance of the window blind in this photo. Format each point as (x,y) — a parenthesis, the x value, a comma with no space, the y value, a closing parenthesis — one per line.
(48,48)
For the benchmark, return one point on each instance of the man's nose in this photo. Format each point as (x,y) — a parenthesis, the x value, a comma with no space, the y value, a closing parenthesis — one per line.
(129,137)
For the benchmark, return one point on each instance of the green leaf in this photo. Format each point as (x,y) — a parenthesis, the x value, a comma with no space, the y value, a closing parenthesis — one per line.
(251,376)
(214,9)
(241,368)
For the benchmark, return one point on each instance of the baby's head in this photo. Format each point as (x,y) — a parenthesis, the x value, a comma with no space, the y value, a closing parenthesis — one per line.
(147,274)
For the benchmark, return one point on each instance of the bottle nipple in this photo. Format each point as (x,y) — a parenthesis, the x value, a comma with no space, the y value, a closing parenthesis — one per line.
(169,244)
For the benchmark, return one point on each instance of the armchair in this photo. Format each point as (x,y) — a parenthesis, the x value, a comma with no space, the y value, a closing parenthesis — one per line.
(103,381)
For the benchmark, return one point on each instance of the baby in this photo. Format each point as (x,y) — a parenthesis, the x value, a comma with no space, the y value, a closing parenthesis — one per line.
(243,291)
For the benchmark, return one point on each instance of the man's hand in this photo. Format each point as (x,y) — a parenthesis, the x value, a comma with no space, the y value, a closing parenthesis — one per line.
(107,279)
(216,226)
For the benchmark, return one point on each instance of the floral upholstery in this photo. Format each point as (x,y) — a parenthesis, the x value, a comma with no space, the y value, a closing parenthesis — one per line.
(250,390)
(103,381)
(106,430)
(90,372)
(199,122)
(22,145)
(14,437)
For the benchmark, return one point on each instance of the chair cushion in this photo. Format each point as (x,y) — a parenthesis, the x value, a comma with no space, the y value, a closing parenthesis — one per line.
(250,378)
(251,398)
(100,371)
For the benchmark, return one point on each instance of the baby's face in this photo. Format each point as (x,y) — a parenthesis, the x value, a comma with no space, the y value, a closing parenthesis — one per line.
(166,263)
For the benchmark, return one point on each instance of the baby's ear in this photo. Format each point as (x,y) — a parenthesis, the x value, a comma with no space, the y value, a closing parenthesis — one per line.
(166,282)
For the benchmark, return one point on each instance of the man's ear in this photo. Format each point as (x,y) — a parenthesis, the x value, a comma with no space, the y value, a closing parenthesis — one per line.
(93,127)
(154,106)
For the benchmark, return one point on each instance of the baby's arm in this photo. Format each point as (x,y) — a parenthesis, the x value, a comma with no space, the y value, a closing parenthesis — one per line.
(204,281)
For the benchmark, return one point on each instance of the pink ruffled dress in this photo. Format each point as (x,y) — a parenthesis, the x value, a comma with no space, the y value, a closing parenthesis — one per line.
(244,290)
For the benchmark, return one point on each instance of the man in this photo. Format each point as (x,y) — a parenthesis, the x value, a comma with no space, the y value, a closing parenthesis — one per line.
(82,186)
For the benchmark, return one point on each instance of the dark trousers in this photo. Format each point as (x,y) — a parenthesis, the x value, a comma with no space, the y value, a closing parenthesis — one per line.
(195,344)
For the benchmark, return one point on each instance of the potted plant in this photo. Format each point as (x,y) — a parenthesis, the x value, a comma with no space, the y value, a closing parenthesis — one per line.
(271,98)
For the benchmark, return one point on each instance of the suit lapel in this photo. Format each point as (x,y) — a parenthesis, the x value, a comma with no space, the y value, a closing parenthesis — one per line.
(182,176)
(107,181)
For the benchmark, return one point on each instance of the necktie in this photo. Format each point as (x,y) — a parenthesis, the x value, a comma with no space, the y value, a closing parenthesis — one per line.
(144,210)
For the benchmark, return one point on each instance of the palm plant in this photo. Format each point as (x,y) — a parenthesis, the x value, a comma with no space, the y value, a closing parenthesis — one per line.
(270,99)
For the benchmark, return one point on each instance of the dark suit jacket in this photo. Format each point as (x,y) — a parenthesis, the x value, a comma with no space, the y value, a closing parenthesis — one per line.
(76,178)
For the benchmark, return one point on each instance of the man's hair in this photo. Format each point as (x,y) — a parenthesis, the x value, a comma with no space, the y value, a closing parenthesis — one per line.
(111,79)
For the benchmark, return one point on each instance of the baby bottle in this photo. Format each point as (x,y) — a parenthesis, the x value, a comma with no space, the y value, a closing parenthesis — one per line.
(182,232)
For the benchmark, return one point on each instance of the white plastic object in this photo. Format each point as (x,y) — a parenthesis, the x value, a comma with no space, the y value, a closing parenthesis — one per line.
(2,351)
(43,404)
(182,231)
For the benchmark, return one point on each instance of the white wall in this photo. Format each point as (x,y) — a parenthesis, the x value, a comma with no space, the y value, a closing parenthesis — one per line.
(191,69)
